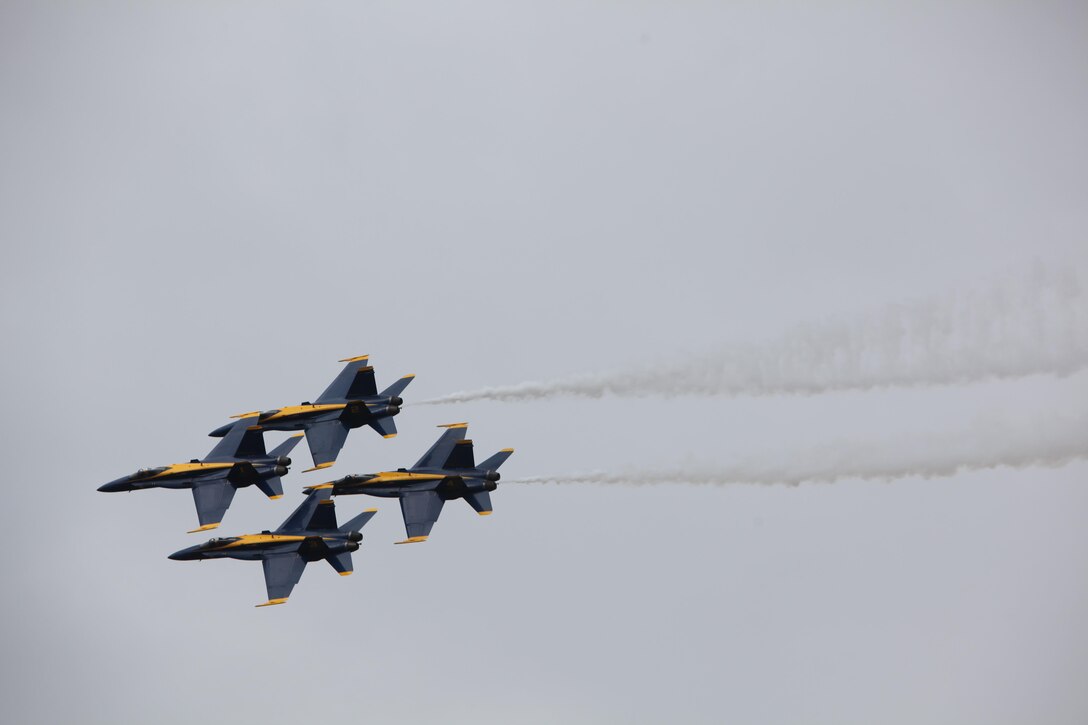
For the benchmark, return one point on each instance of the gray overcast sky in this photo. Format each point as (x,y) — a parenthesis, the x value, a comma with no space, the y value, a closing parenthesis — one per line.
(204,205)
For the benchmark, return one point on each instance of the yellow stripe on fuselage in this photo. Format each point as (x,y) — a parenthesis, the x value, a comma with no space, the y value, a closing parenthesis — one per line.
(178,469)
(258,539)
(292,411)
(403,477)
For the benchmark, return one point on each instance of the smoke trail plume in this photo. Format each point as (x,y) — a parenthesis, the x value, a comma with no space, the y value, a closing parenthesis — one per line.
(1051,443)
(1035,325)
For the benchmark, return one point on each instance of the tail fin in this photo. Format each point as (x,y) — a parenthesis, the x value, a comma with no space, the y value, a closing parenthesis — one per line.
(493,463)
(300,517)
(244,439)
(359,521)
(285,448)
(398,387)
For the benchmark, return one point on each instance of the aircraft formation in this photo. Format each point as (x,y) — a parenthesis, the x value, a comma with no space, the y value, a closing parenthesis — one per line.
(447,471)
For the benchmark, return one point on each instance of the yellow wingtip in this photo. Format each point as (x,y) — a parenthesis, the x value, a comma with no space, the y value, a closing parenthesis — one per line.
(412,540)
(345,573)
(407,377)
(273,498)
(297,435)
(246,415)
(485,513)
(319,486)
(205,527)
(390,435)
(273,602)
(507,450)
(319,466)
(370,511)
(355,359)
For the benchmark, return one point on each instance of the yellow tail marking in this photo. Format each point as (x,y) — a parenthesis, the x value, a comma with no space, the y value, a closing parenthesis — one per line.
(390,435)
(319,466)
(485,513)
(271,602)
(205,527)
(319,487)
(357,358)
(370,511)
(407,377)
(278,495)
(297,435)
(345,573)
(507,450)
(453,425)
(412,540)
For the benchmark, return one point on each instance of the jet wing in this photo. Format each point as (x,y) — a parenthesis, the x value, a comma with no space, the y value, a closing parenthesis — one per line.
(420,509)
(281,574)
(325,440)
(212,501)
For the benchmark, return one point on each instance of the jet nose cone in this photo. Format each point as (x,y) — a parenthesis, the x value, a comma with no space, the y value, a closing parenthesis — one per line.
(193,552)
(121,484)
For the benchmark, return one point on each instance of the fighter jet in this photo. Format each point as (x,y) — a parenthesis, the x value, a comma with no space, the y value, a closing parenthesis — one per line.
(308,534)
(447,471)
(237,461)
(351,401)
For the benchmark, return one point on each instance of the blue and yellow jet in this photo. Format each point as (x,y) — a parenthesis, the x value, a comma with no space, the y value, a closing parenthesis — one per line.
(446,471)
(237,461)
(308,534)
(351,401)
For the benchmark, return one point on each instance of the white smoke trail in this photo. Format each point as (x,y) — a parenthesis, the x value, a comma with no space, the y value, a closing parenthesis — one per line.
(1035,325)
(1053,442)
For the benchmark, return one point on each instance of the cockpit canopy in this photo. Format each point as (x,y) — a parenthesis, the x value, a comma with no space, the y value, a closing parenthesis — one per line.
(148,472)
(220,540)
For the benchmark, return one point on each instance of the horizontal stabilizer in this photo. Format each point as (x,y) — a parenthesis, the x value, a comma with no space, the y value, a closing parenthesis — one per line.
(398,387)
(271,487)
(359,521)
(285,448)
(341,562)
(481,501)
(493,463)
(385,426)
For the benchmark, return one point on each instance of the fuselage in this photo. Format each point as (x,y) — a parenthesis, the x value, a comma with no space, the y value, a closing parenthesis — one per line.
(312,545)
(353,414)
(186,475)
(392,484)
